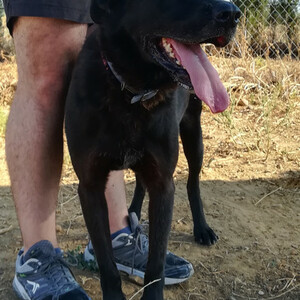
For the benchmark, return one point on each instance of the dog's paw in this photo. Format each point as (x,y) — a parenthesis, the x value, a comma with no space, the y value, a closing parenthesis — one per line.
(205,236)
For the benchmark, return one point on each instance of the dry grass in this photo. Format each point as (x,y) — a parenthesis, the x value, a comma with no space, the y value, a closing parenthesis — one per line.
(264,92)
(8,81)
(267,94)
(6,42)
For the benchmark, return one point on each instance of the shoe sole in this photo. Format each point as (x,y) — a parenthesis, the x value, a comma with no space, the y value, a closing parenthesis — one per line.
(19,289)
(131,271)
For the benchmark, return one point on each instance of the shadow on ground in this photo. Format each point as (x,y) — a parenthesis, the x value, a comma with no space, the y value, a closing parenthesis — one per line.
(257,256)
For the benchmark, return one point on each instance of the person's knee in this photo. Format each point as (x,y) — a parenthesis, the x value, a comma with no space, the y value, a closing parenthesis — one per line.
(46,50)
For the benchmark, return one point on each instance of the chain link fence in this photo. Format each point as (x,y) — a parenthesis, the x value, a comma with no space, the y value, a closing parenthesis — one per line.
(271,27)
(268,28)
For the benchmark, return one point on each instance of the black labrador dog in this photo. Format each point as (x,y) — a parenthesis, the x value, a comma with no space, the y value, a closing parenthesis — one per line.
(136,85)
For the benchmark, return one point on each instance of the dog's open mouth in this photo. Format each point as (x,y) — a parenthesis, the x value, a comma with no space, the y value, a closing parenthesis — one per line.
(189,65)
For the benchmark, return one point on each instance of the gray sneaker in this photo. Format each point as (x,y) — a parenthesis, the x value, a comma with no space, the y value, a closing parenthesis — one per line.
(45,275)
(131,255)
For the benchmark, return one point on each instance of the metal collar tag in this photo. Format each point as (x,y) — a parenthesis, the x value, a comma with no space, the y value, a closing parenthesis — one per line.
(138,95)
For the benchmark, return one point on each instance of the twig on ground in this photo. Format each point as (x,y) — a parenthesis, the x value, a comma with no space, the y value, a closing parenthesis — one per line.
(71,221)
(265,196)
(4,230)
(269,298)
(282,294)
(288,283)
(243,297)
(140,290)
(67,201)
(203,266)
(195,294)
(180,242)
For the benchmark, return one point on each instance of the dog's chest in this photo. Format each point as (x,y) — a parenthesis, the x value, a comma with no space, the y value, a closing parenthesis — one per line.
(124,146)
(122,156)
(131,157)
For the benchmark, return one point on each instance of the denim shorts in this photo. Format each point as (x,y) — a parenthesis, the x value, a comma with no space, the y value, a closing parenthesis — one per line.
(72,10)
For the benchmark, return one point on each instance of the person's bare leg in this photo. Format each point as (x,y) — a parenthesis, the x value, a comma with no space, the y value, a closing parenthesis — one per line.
(46,50)
(116,201)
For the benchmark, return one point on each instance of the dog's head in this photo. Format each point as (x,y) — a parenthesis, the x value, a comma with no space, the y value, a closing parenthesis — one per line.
(169,32)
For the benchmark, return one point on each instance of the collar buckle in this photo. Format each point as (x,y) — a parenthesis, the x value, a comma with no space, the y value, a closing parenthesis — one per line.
(138,95)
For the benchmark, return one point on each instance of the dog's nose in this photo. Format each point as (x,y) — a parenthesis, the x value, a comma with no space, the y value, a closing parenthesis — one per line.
(226,12)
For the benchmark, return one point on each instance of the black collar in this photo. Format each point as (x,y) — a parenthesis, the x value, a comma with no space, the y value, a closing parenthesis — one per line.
(137,95)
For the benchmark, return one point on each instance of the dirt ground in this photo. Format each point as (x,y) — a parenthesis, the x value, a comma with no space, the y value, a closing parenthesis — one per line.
(250,184)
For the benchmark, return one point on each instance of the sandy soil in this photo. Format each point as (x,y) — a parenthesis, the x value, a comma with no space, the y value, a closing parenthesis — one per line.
(250,184)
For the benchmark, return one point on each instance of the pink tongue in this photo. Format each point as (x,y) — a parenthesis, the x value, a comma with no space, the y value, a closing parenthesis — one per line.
(205,79)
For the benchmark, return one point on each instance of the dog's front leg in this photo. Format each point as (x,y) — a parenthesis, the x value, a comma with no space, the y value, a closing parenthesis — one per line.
(161,194)
(95,213)
(192,140)
(138,197)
